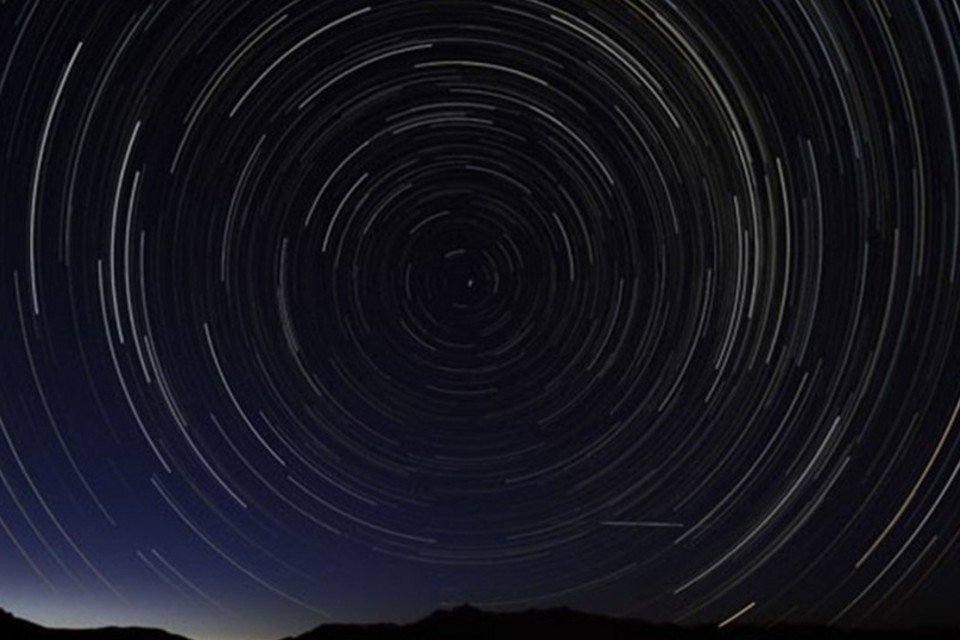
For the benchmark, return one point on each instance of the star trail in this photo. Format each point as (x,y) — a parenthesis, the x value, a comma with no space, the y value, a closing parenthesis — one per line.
(346,310)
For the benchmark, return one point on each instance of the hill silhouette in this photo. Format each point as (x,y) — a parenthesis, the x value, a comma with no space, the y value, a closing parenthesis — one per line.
(13,628)
(469,623)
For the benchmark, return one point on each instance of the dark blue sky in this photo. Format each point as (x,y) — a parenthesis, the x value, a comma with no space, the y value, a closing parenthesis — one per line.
(346,311)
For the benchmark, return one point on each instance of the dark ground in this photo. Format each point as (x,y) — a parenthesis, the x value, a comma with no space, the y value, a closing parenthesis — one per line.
(468,623)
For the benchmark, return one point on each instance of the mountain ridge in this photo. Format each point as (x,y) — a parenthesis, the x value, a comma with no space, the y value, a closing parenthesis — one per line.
(15,628)
(466,622)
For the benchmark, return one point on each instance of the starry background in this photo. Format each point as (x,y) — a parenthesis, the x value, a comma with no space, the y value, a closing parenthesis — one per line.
(347,310)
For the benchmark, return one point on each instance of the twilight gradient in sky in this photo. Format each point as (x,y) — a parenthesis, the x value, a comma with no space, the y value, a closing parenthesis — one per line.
(345,310)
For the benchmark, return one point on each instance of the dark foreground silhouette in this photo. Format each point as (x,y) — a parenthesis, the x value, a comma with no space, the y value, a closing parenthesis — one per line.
(13,628)
(467,623)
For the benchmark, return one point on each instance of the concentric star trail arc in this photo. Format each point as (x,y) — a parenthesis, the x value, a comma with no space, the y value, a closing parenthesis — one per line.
(353,309)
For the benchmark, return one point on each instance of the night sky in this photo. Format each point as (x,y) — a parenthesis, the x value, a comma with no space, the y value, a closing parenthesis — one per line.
(348,310)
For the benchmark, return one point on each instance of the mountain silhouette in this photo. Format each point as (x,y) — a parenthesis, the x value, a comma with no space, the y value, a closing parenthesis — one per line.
(469,623)
(13,628)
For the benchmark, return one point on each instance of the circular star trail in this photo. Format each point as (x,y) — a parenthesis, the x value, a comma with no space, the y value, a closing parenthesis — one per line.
(353,309)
